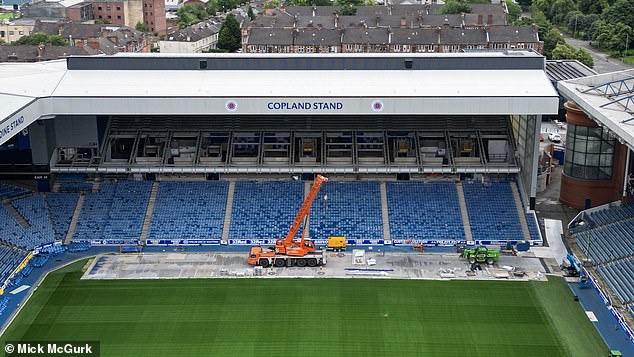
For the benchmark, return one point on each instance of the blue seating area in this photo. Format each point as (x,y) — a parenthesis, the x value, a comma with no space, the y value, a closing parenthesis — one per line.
(12,231)
(353,210)
(609,242)
(40,231)
(613,214)
(62,206)
(619,275)
(9,191)
(533,228)
(76,247)
(129,204)
(419,210)
(73,182)
(10,259)
(265,209)
(492,211)
(189,210)
(94,213)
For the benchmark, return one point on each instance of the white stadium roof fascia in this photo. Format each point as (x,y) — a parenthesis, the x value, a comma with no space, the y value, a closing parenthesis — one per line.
(52,89)
(613,117)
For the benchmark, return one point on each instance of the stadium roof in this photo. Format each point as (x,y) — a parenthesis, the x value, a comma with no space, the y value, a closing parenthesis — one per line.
(608,99)
(242,85)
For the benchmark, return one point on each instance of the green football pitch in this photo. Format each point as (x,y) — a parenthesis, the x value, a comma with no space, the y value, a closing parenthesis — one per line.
(308,317)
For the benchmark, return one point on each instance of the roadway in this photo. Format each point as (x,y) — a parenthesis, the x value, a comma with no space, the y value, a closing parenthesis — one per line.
(603,62)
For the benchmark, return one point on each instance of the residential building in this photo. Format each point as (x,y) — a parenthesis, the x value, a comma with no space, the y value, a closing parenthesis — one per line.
(31,53)
(12,30)
(197,38)
(76,10)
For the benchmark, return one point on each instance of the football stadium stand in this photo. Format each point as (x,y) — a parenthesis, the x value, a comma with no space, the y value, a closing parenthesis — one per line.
(492,211)
(94,213)
(9,191)
(125,218)
(34,210)
(419,210)
(352,209)
(61,208)
(264,209)
(189,210)
(606,238)
(10,258)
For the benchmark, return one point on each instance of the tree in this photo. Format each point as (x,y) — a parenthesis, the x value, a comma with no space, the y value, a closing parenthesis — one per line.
(551,39)
(41,39)
(621,11)
(230,37)
(560,9)
(593,6)
(455,7)
(140,26)
(515,11)
(565,51)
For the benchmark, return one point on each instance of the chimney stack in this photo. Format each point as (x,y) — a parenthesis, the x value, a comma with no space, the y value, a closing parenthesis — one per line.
(403,22)
(490,19)
(480,19)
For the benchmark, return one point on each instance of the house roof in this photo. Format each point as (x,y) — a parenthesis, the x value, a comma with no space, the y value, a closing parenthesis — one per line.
(195,32)
(30,53)
(318,37)
(315,21)
(270,36)
(513,34)
(453,36)
(373,36)
(414,36)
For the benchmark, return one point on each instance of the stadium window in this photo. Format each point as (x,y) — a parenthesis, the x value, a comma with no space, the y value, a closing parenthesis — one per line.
(118,8)
(110,17)
(21,33)
(589,153)
(107,8)
(11,33)
(101,17)
(99,8)
(119,17)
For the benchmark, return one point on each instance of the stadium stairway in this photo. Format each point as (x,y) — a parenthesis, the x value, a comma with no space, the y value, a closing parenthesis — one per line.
(74,220)
(463,213)
(385,214)
(520,212)
(17,215)
(226,225)
(149,211)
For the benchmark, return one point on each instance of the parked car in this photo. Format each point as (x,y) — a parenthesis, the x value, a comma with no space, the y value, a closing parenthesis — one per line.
(554,137)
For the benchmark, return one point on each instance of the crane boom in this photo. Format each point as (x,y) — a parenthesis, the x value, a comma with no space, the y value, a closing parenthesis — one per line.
(304,210)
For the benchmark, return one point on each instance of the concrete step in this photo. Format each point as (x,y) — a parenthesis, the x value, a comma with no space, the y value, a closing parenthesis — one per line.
(17,215)
(226,225)
(385,214)
(95,186)
(520,212)
(464,214)
(75,219)
(149,211)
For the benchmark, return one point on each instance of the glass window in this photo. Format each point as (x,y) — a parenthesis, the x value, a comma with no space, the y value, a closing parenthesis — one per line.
(589,153)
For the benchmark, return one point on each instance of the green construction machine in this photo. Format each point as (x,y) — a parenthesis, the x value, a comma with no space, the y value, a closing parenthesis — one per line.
(481,255)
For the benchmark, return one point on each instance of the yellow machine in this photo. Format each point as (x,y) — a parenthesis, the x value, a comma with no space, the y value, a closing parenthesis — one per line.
(336,243)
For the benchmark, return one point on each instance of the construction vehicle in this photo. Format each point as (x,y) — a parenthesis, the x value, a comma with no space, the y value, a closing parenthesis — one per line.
(336,243)
(572,268)
(481,255)
(287,251)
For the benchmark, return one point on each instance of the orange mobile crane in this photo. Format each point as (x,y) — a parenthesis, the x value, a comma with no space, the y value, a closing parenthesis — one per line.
(289,252)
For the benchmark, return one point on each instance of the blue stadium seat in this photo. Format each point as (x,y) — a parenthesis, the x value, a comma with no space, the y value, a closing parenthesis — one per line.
(428,211)
(9,191)
(62,206)
(492,211)
(10,259)
(264,209)
(352,210)
(189,210)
